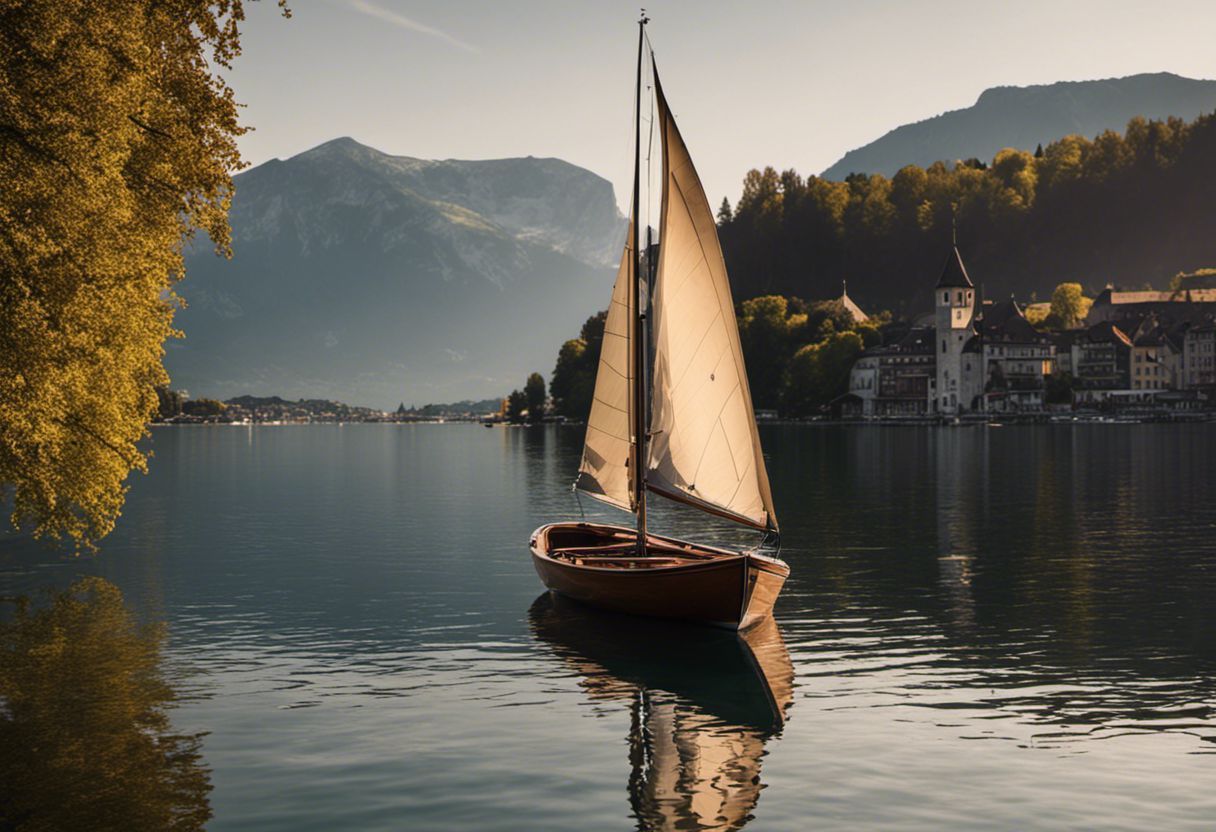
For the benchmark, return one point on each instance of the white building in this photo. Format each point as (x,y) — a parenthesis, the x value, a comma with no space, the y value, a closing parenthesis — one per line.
(959,373)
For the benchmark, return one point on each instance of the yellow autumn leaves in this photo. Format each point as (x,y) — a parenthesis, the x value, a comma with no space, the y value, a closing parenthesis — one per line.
(117,143)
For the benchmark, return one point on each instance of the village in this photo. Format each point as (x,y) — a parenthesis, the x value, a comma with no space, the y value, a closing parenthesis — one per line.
(1136,355)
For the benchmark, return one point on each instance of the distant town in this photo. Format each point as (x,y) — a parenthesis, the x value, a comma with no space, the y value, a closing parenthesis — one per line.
(1131,353)
(176,407)
(1124,355)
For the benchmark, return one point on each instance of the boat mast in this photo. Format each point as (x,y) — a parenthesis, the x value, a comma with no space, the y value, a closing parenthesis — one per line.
(639,323)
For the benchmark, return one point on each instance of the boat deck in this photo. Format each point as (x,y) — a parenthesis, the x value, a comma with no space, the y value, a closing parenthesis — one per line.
(618,549)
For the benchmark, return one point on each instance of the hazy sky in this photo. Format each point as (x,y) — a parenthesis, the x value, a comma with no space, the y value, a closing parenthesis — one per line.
(789,84)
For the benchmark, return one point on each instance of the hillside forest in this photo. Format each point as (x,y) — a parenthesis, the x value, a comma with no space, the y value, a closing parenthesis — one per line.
(1127,209)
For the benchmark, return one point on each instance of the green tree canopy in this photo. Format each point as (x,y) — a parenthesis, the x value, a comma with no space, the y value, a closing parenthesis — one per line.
(117,144)
(1118,207)
(534,397)
(517,405)
(768,326)
(819,372)
(573,382)
(1068,305)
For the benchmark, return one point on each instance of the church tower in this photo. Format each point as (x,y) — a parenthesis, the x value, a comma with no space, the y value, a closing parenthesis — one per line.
(954,300)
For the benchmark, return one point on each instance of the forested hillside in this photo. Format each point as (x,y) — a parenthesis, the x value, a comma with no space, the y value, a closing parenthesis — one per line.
(1126,208)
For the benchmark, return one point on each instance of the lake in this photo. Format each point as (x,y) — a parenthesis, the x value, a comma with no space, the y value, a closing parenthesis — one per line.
(1004,628)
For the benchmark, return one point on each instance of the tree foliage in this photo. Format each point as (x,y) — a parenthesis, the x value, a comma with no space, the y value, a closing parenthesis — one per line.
(117,143)
(1068,306)
(517,407)
(534,397)
(573,382)
(774,331)
(1116,207)
(819,372)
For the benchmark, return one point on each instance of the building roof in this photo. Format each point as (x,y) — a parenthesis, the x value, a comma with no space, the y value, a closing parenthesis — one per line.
(899,341)
(849,306)
(954,273)
(1115,297)
(1107,331)
(1005,321)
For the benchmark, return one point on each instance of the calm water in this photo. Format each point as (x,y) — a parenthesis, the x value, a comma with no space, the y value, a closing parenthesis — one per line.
(997,628)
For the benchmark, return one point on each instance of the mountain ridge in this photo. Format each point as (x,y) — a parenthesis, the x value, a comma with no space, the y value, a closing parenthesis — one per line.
(1025,116)
(359,275)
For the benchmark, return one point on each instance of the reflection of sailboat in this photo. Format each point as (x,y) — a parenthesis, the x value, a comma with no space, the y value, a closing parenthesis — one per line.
(85,739)
(703,705)
(699,446)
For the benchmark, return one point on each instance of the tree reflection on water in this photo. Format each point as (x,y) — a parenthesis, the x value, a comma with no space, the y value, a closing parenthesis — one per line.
(85,737)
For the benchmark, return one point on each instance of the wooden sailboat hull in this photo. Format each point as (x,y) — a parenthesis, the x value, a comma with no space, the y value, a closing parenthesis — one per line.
(596,564)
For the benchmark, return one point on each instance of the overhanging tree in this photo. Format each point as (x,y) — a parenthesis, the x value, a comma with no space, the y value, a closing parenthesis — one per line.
(117,144)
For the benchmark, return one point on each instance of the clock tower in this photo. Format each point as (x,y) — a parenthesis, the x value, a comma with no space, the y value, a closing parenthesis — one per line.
(954,301)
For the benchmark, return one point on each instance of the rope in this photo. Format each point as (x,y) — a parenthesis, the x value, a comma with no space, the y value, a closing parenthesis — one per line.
(578,499)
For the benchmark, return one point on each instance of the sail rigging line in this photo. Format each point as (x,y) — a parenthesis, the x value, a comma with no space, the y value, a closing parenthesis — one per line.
(639,320)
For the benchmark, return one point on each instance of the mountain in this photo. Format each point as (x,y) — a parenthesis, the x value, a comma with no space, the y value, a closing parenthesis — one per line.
(370,278)
(1024,117)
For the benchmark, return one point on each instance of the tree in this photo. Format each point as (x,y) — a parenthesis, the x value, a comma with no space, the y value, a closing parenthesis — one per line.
(534,397)
(117,144)
(819,372)
(766,328)
(568,386)
(1068,305)
(573,382)
(725,215)
(203,407)
(517,404)
(169,402)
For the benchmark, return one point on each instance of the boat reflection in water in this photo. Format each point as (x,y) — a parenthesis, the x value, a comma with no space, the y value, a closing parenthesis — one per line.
(703,702)
(85,737)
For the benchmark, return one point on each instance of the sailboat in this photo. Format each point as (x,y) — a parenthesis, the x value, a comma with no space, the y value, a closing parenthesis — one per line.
(684,430)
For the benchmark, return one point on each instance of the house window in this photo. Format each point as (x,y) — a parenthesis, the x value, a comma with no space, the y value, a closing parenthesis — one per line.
(943,345)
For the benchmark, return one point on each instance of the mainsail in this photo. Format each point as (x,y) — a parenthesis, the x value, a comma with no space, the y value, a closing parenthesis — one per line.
(607,470)
(704,446)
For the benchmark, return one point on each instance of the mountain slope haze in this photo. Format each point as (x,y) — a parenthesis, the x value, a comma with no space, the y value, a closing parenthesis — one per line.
(372,279)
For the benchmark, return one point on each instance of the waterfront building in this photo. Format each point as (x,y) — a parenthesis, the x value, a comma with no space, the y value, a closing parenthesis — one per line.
(896,379)
(972,357)
(1101,362)
(1018,359)
(1199,355)
(958,372)
(1062,351)
(1112,305)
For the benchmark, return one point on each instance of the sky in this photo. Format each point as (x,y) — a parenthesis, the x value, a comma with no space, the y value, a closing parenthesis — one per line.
(787,84)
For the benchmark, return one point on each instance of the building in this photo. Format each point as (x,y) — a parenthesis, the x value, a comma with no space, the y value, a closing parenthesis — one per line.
(1199,355)
(1112,305)
(971,357)
(896,379)
(852,308)
(1101,362)
(1017,359)
(957,364)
